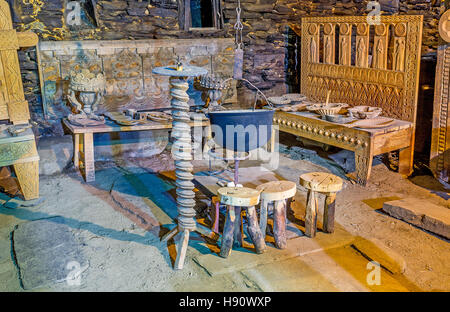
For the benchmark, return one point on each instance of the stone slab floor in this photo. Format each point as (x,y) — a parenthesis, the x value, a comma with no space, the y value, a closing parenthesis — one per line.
(106,236)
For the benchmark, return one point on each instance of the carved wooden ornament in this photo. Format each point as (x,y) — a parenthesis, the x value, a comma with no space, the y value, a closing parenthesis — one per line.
(356,77)
(12,100)
(440,140)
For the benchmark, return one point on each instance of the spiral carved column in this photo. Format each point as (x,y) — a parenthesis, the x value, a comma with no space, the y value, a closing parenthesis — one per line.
(182,154)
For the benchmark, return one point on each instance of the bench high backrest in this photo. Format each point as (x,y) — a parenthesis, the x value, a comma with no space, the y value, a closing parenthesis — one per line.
(362,63)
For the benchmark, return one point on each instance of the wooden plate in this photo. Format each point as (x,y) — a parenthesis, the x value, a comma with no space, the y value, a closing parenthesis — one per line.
(159,116)
(375,123)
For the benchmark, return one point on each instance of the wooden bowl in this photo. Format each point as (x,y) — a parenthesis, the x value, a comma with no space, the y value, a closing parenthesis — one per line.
(327,109)
(294,98)
(365,112)
(278,100)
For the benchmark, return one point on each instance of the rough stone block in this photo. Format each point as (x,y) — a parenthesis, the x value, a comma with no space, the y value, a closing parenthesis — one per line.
(421,213)
(44,251)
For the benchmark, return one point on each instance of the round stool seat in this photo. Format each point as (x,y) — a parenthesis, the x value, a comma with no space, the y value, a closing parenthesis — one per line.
(277,190)
(238,196)
(321,182)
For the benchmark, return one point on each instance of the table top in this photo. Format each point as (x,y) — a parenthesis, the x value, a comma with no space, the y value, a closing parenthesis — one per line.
(188,71)
(395,126)
(249,177)
(111,126)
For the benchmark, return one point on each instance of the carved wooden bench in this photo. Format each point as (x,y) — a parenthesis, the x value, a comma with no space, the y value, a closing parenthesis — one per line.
(362,64)
(366,143)
(18,151)
(83,141)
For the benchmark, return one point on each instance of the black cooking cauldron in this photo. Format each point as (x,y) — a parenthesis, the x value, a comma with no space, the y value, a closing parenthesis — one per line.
(241,130)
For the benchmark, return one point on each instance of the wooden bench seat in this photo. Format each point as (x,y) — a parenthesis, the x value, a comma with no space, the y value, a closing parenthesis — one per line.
(366,143)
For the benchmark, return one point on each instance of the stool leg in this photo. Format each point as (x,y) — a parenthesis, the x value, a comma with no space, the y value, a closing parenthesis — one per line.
(328,214)
(263,211)
(216,206)
(311,214)
(238,228)
(228,233)
(279,224)
(254,231)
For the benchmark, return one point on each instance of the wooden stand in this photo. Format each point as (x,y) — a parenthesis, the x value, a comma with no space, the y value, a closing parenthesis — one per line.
(182,154)
(276,194)
(237,198)
(325,183)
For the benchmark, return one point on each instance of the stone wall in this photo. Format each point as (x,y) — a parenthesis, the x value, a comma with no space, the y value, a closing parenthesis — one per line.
(270,28)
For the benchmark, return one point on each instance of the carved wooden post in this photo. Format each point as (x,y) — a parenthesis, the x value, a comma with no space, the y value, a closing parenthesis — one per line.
(181,152)
(362,45)
(345,44)
(329,43)
(19,151)
(13,105)
(440,140)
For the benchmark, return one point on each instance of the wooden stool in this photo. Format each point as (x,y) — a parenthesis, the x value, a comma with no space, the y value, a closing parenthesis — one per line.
(276,193)
(236,198)
(327,184)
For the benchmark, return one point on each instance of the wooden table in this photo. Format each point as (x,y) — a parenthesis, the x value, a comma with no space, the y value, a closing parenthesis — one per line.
(366,143)
(83,140)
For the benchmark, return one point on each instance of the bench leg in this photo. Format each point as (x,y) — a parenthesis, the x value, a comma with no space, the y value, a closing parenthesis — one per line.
(311,214)
(88,155)
(263,211)
(363,163)
(28,176)
(279,224)
(406,158)
(254,231)
(328,214)
(228,233)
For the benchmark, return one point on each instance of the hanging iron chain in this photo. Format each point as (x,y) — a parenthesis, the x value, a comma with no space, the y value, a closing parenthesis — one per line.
(239,26)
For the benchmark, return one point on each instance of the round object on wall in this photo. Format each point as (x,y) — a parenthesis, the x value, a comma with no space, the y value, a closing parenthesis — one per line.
(312,29)
(400,30)
(361,29)
(380,30)
(344,29)
(328,29)
(444,26)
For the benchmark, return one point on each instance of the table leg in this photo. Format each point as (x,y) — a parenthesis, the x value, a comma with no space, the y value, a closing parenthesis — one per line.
(279,224)
(311,214)
(272,140)
(228,233)
(28,176)
(406,158)
(76,150)
(328,214)
(254,231)
(88,154)
(363,163)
